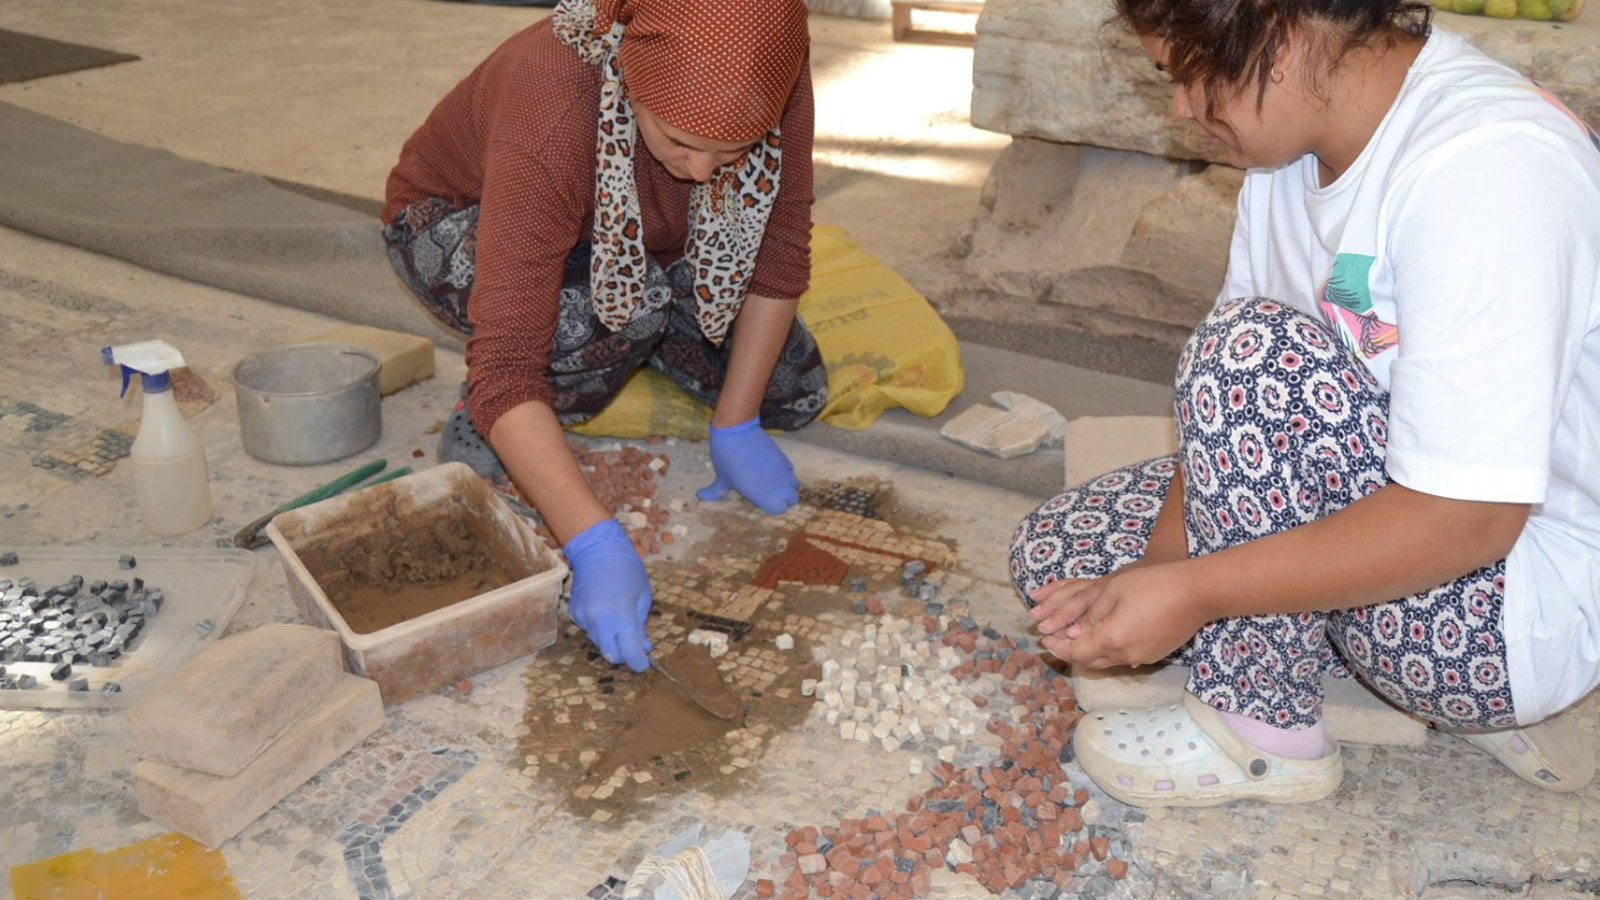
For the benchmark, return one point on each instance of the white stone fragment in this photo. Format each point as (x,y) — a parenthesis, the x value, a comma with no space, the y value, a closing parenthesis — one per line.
(947,753)
(863,734)
(915,765)
(832,700)
(889,717)
(890,743)
(808,687)
(881,731)
(717,650)
(959,852)
(831,717)
(1090,812)
(784,641)
(830,668)
(847,730)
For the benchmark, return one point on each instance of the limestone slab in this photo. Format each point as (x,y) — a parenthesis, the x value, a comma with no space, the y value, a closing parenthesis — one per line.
(1096,445)
(225,706)
(1353,714)
(212,809)
(1052,69)
(1003,433)
(403,359)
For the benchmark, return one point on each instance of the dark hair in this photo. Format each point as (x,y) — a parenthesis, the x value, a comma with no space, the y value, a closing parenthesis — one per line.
(1225,44)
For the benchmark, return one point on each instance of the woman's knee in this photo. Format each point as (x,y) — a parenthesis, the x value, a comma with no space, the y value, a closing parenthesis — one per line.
(1091,530)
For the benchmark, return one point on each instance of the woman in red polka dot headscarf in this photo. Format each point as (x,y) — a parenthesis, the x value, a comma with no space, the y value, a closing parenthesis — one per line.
(625,183)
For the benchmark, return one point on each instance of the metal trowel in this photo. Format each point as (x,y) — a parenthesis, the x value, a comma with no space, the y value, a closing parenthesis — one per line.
(725,705)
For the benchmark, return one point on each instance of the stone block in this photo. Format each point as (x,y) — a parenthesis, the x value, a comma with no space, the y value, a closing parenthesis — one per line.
(1352,713)
(225,706)
(1096,445)
(212,809)
(1052,69)
(403,359)
(997,432)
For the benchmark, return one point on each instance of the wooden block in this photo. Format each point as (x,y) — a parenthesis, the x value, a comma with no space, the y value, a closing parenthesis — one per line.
(901,27)
(212,809)
(403,359)
(225,706)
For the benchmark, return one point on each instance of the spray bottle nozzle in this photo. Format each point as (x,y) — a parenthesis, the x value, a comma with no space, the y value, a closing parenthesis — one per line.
(151,359)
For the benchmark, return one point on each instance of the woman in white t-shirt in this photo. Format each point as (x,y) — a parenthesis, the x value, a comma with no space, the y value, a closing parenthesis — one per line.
(1396,396)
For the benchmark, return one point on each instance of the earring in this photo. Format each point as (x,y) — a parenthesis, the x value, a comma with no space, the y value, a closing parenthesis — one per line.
(1277,76)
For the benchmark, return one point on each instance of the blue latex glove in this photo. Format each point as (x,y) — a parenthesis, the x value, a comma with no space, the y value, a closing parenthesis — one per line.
(747,460)
(610,593)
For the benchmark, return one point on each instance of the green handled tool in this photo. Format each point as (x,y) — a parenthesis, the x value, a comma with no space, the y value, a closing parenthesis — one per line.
(250,536)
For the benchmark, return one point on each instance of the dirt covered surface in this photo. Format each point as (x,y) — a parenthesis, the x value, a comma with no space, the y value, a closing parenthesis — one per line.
(409,566)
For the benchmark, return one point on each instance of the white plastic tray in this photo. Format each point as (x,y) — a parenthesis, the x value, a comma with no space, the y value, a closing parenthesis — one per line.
(198,584)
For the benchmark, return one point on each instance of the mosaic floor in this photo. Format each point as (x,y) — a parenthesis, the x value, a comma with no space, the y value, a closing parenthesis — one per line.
(489,790)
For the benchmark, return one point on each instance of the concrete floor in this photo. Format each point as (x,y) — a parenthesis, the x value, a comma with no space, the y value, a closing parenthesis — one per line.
(323,95)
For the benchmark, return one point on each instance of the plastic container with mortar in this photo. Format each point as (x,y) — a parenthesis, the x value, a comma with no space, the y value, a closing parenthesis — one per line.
(304,404)
(328,547)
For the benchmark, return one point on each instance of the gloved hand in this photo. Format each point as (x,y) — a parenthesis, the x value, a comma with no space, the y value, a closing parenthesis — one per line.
(610,593)
(747,460)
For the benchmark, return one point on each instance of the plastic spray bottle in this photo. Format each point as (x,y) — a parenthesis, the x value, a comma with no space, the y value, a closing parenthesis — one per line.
(170,482)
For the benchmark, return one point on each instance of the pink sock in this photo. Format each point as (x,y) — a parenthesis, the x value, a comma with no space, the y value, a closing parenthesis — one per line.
(1298,743)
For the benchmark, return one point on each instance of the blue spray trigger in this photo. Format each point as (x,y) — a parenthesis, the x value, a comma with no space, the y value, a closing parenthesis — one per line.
(153,360)
(111,360)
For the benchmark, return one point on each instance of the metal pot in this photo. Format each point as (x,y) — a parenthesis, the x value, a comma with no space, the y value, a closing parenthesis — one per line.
(308,403)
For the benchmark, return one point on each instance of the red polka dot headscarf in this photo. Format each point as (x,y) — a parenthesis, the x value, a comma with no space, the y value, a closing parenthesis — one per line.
(720,69)
(717,69)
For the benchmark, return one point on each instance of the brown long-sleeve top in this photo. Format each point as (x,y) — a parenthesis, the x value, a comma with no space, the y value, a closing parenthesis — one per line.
(517,137)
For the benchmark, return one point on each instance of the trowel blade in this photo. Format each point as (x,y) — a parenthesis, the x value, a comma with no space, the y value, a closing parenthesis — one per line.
(725,707)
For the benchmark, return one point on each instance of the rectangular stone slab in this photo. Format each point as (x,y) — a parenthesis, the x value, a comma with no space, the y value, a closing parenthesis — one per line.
(1096,445)
(225,706)
(211,809)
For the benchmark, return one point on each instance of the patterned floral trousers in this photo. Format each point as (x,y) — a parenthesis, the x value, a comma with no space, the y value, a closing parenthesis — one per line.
(433,247)
(1279,424)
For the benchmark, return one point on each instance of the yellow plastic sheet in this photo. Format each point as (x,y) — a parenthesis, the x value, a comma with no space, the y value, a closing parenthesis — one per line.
(169,867)
(881,341)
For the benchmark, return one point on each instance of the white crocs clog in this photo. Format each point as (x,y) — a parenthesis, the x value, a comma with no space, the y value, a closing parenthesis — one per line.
(1554,754)
(1183,755)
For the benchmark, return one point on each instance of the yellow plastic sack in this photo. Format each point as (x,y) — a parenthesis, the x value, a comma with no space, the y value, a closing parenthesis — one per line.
(881,341)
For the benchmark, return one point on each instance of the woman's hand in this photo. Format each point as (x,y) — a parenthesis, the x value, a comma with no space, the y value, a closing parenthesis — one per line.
(1134,616)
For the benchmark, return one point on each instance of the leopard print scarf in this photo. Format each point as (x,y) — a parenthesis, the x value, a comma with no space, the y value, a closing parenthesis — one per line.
(727,215)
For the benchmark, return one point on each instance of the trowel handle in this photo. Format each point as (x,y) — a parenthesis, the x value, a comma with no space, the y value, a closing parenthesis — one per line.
(336,486)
